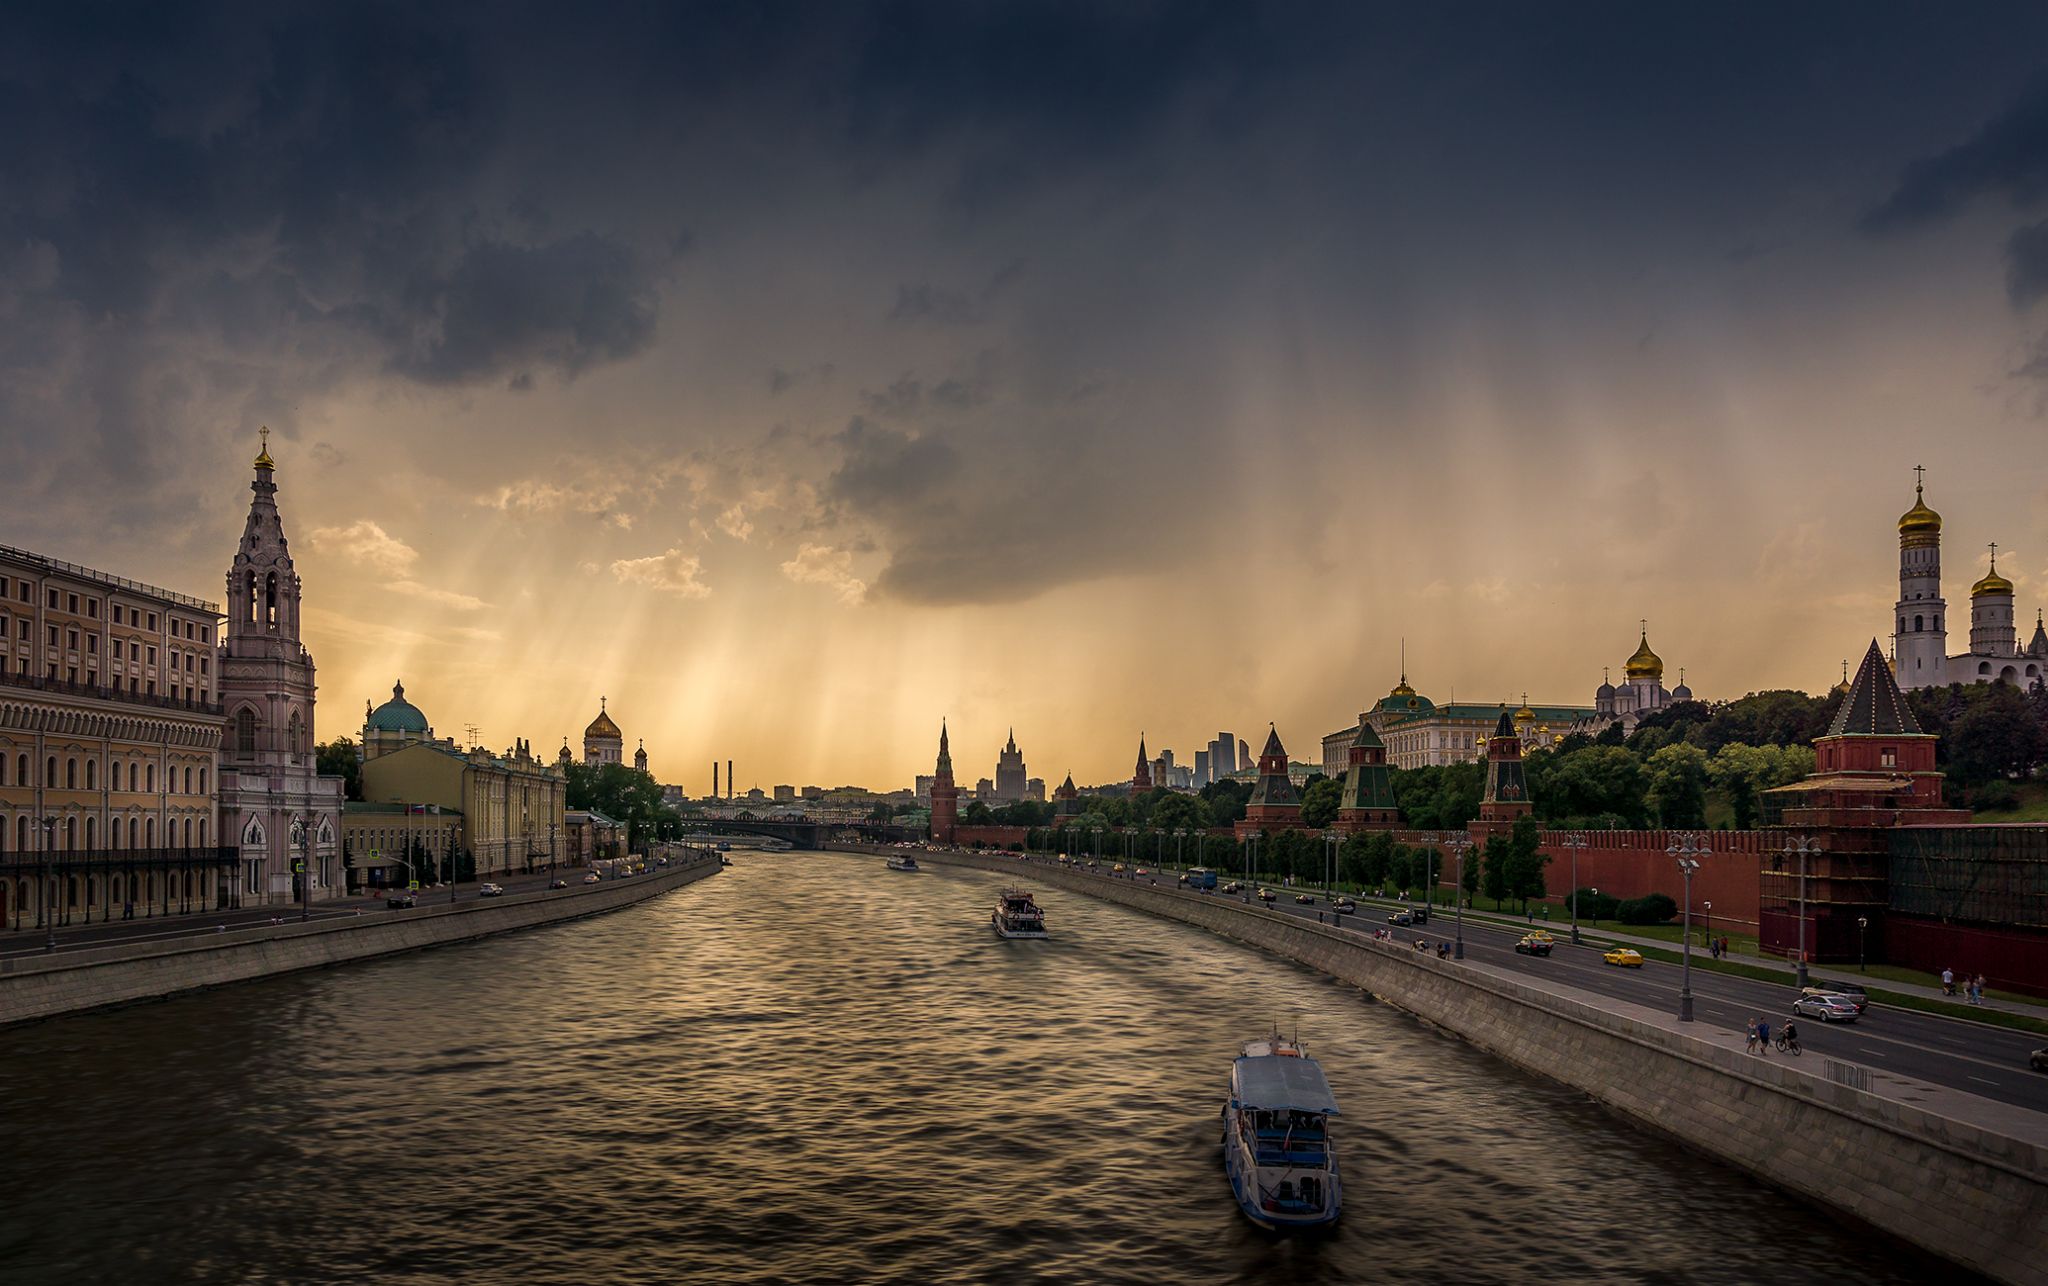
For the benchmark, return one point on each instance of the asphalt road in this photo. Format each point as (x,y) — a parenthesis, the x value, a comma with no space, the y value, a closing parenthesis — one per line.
(1972,1057)
(29,941)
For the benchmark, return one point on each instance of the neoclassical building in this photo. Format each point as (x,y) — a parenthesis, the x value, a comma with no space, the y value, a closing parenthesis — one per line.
(282,816)
(110,745)
(1921,657)
(1013,780)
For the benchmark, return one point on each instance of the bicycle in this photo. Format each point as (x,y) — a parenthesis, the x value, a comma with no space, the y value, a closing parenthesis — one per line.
(1785,1044)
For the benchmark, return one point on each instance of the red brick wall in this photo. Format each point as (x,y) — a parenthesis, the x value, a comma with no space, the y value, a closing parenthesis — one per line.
(1630,864)
(992,836)
(2014,959)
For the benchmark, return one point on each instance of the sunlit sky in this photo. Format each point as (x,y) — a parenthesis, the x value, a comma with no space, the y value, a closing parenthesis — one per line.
(794,376)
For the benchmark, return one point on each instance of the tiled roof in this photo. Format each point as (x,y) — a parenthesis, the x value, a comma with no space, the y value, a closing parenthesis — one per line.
(1874,706)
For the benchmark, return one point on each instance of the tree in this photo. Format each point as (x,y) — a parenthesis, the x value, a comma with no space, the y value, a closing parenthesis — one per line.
(978,814)
(1744,772)
(1498,854)
(1677,776)
(1319,802)
(1996,737)
(337,758)
(1471,880)
(1526,860)
(1600,782)
(1226,800)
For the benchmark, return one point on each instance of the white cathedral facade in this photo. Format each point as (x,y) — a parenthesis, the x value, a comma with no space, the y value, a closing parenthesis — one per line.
(1920,656)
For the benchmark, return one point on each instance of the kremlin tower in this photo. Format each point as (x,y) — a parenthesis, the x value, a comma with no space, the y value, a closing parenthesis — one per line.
(1141,780)
(945,795)
(1274,805)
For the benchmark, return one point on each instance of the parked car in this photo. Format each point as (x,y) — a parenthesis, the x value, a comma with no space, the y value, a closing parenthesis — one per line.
(491,891)
(1306,899)
(1626,957)
(591,878)
(558,884)
(1826,1006)
(1850,992)
(1401,918)
(1345,906)
(1534,944)
(401,900)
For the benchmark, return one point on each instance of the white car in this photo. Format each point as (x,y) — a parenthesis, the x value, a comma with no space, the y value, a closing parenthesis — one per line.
(1826,1007)
(590,878)
(491,891)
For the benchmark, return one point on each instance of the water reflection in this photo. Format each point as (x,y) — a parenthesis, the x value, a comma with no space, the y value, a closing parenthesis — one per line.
(810,1069)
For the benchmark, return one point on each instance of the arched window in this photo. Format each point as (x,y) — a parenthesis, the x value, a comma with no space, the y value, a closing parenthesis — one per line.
(188,781)
(1983,667)
(21,770)
(92,774)
(71,834)
(149,777)
(1937,623)
(50,772)
(1916,625)
(4,761)
(91,833)
(245,732)
(149,833)
(202,832)
(188,832)
(71,774)
(202,781)
(21,833)
(1902,625)
(134,829)
(270,601)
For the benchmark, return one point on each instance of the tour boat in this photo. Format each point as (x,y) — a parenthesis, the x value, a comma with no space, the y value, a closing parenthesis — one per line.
(903,862)
(1276,1137)
(1017,916)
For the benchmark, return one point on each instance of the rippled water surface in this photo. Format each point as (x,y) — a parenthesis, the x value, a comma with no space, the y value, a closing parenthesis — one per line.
(807,1069)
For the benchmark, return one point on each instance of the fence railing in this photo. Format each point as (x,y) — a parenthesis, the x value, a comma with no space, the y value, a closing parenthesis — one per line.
(93,691)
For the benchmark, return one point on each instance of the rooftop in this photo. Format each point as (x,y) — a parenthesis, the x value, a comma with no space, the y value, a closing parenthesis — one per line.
(49,565)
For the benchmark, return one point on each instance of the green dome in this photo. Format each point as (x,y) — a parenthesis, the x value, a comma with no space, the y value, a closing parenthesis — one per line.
(397,714)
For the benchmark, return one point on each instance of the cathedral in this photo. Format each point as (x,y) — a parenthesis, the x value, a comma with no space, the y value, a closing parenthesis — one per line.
(282,816)
(1920,645)
(1642,690)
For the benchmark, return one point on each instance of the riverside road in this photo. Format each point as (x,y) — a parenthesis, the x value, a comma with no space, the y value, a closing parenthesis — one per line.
(1974,1058)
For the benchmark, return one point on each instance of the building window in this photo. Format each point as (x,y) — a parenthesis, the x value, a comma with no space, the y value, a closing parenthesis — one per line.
(149,780)
(92,644)
(21,770)
(202,781)
(117,613)
(71,604)
(53,600)
(245,732)
(1888,757)
(188,781)
(92,774)
(1916,625)
(71,774)
(152,620)
(92,608)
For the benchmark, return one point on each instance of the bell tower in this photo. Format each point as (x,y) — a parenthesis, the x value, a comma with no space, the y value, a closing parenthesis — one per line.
(1922,632)
(284,817)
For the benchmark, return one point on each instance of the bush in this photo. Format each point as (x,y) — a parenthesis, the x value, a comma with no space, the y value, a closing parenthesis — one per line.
(1995,797)
(1655,908)
(1595,906)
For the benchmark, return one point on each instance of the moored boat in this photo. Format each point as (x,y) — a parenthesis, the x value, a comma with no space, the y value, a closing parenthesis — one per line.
(1017,916)
(1276,1137)
(903,862)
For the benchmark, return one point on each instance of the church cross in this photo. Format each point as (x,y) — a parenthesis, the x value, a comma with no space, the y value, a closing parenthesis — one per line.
(1919,476)
(1994,555)
(264,433)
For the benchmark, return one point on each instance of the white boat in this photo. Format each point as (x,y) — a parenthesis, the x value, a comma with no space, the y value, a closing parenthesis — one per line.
(903,862)
(1017,916)
(1276,1137)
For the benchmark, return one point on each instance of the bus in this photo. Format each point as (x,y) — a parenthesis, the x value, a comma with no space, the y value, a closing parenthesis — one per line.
(1201,877)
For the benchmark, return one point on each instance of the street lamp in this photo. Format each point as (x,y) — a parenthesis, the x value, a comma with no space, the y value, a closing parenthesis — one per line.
(305,868)
(1330,841)
(1573,843)
(1688,850)
(1862,923)
(1804,846)
(1707,924)
(1459,843)
(49,884)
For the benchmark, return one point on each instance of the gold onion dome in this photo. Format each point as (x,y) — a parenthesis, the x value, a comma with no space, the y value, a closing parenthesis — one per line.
(1992,583)
(1919,520)
(1402,689)
(263,460)
(1645,664)
(602,726)
(1525,714)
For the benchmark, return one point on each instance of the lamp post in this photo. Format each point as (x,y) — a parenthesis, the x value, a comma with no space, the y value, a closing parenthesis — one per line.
(49,885)
(1573,843)
(305,868)
(1707,924)
(1862,923)
(1687,849)
(1459,843)
(1804,846)
(1330,841)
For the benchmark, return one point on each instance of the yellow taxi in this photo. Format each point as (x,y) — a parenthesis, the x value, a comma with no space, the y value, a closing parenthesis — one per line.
(1118,868)
(1626,957)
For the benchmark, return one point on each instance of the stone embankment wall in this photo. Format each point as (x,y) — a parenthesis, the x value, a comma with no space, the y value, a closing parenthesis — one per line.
(96,977)
(1961,1192)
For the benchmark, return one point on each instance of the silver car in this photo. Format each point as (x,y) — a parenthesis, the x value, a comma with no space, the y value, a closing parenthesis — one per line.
(1828,1008)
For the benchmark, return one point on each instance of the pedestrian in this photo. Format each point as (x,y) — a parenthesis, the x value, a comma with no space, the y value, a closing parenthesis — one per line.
(1948,982)
(1980,988)
(1750,1045)
(1763,1036)
(1724,947)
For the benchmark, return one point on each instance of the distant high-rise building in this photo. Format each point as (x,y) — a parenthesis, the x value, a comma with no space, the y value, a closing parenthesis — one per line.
(985,791)
(1034,790)
(785,794)
(924,789)
(1202,777)
(1223,756)
(1011,777)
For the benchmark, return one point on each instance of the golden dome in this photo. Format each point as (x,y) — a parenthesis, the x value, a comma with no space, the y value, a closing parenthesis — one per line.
(1919,520)
(1992,583)
(1525,714)
(1645,664)
(602,726)
(1402,689)
(263,460)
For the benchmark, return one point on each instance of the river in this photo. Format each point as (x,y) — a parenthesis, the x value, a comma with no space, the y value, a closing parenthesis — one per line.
(808,1069)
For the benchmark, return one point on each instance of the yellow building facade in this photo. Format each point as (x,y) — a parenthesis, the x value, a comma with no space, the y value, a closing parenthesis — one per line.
(511,805)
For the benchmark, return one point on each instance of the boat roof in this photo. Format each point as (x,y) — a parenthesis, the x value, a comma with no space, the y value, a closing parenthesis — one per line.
(1283,1083)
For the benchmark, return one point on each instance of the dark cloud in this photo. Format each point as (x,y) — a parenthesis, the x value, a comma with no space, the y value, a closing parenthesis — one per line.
(884,470)
(2007,158)
(2026,264)
(933,305)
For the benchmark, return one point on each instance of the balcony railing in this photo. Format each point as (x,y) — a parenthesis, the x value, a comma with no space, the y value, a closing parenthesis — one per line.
(92,691)
(16,862)
(112,582)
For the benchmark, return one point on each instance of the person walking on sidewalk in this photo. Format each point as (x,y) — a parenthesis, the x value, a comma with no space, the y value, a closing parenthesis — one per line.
(1750,1045)
(1763,1036)
(1948,982)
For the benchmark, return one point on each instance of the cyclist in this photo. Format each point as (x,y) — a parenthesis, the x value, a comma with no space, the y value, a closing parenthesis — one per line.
(1788,1038)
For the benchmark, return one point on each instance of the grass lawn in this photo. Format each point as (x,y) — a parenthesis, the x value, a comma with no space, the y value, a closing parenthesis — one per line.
(2033,807)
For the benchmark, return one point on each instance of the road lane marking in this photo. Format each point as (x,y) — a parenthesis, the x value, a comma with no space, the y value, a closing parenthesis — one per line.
(1981,1081)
